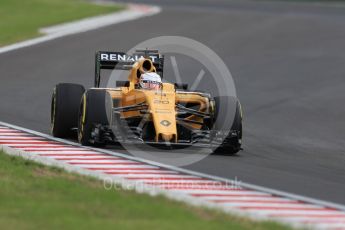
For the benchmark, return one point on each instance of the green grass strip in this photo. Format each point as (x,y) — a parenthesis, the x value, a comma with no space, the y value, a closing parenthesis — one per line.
(21,19)
(34,196)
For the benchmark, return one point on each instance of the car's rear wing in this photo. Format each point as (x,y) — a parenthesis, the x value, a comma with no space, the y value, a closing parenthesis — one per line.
(123,61)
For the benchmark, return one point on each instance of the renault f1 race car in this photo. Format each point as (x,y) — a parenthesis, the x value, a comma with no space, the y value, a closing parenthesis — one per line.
(143,110)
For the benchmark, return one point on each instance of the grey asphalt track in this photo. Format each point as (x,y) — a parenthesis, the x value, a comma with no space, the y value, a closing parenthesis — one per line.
(288,63)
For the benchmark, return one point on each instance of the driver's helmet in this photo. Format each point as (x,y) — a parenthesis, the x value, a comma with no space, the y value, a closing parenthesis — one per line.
(150,80)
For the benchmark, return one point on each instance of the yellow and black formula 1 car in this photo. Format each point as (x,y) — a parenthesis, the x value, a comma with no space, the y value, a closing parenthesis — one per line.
(167,115)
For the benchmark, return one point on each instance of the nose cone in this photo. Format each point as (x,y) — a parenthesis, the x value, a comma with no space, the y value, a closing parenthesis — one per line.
(166,137)
(162,108)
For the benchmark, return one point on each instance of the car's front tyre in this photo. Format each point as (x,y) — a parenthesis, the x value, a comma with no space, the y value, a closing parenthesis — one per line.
(92,112)
(228,120)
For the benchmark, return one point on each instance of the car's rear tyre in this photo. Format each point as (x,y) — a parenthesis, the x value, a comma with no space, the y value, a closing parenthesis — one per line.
(92,112)
(228,119)
(64,109)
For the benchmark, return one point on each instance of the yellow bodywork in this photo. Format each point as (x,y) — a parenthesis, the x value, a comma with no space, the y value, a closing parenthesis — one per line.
(161,103)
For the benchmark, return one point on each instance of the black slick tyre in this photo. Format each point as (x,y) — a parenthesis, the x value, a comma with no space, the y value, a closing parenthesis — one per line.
(64,109)
(232,141)
(92,112)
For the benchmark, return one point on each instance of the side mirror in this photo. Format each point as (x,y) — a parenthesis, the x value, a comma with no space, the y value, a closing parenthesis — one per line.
(122,83)
(181,86)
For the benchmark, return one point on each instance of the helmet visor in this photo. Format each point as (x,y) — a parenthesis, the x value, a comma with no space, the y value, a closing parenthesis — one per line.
(153,85)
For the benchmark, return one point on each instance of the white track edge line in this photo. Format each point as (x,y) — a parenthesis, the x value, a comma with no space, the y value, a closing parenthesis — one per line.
(216,178)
